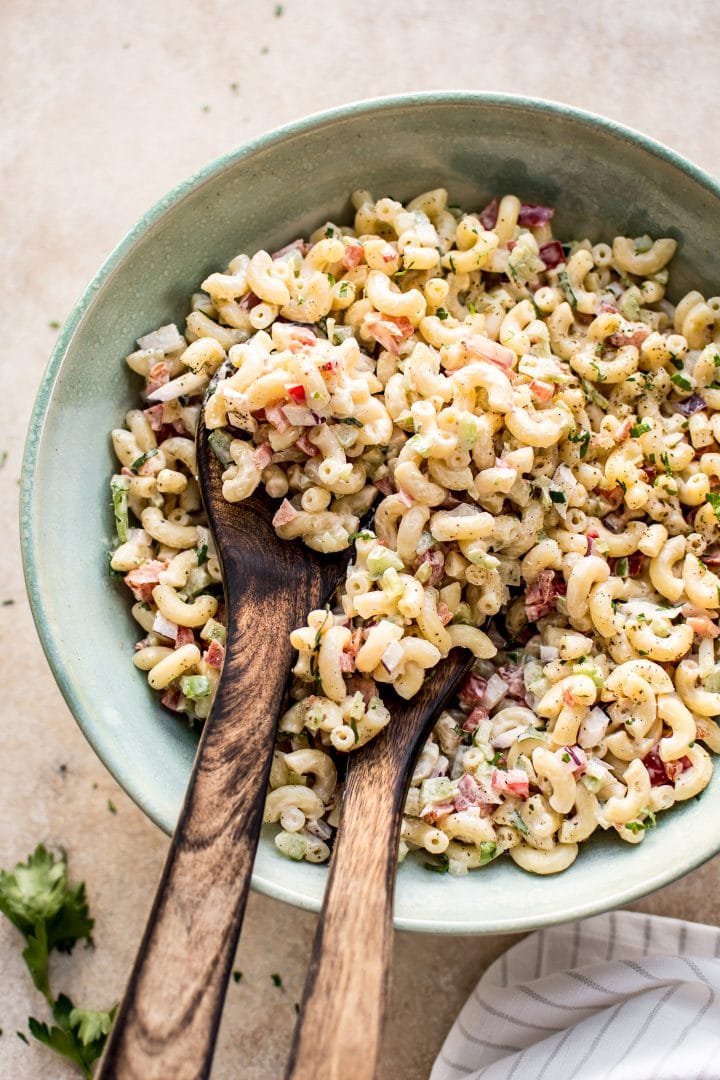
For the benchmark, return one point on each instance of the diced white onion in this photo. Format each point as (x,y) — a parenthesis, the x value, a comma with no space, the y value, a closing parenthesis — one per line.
(592,730)
(507,738)
(184,384)
(164,627)
(139,536)
(165,339)
(299,416)
(548,653)
(495,691)
(392,656)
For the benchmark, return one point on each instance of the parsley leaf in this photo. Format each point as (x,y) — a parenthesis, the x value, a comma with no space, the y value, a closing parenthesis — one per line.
(681,380)
(139,462)
(583,438)
(79,1034)
(639,429)
(564,283)
(51,914)
(37,899)
(442,314)
(713,499)
(440,866)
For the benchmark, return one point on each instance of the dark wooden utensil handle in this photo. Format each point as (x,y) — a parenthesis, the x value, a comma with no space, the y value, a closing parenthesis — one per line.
(167,1022)
(339,1030)
(348,981)
(166,1026)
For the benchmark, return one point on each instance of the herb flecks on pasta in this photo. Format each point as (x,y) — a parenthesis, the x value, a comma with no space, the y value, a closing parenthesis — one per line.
(538,432)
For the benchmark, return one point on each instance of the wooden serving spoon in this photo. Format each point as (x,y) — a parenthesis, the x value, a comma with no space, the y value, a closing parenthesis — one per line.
(167,1022)
(339,1029)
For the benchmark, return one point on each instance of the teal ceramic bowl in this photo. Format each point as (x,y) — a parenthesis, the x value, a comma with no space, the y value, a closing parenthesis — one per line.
(602,178)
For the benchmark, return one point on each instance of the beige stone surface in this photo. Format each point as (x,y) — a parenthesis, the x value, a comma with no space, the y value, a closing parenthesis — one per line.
(103,107)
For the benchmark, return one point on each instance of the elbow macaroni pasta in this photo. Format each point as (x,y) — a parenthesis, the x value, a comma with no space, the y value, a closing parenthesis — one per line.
(537,430)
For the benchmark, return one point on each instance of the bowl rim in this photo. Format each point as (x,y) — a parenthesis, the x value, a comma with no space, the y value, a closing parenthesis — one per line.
(50,641)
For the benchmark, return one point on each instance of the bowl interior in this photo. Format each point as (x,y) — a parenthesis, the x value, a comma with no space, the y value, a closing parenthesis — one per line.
(602,179)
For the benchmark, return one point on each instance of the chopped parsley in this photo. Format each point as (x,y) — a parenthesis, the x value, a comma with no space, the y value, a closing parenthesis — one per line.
(517,822)
(713,499)
(111,806)
(277,981)
(54,324)
(442,314)
(666,463)
(648,822)
(353,725)
(471,308)
(234,87)
(279,9)
(237,976)
(622,568)
(7,603)
(595,396)
(639,429)
(139,462)
(557,496)
(676,362)
(452,263)
(202,554)
(116,575)
(583,438)
(440,866)
(681,380)
(331,278)
(564,282)
(350,420)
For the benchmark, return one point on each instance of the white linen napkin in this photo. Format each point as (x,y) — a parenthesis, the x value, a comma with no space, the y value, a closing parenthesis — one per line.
(622,996)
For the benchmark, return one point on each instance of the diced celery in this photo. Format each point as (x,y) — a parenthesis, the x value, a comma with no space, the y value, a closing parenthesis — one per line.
(213,631)
(195,687)
(479,556)
(391,584)
(220,440)
(381,559)
(711,682)
(488,851)
(119,486)
(467,431)
(356,708)
(436,790)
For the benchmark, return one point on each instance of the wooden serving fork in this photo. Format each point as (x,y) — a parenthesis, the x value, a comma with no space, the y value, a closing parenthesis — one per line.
(167,1022)
(339,1029)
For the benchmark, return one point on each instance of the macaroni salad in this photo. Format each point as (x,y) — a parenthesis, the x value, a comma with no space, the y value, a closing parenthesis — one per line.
(538,432)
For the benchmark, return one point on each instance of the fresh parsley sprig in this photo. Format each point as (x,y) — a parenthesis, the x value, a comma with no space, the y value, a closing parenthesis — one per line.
(51,914)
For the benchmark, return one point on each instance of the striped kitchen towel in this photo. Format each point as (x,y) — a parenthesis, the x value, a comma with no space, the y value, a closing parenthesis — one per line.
(622,996)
